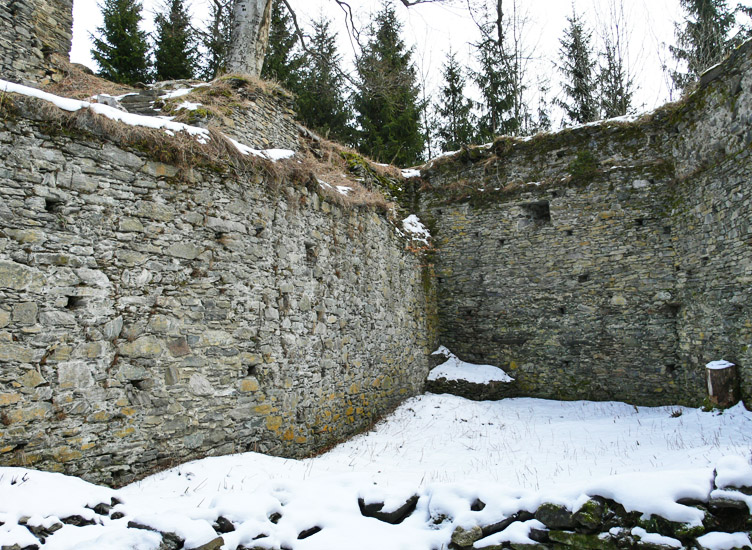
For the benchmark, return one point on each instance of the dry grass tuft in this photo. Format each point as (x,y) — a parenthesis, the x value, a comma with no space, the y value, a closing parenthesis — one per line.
(78,83)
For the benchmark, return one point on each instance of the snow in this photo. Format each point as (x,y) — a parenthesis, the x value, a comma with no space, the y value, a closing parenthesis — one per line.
(416,229)
(724,541)
(719,365)
(410,173)
(176,93)
(513,455)
(517,533)
(733,471)
(655,538)
(171,128)
(188,106)
(456,369)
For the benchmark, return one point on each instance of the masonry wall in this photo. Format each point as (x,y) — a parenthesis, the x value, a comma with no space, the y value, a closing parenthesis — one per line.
(606,262)
(31,33)
(145,321)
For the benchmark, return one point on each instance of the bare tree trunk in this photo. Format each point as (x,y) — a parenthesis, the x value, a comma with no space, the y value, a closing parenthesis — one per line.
(250,36)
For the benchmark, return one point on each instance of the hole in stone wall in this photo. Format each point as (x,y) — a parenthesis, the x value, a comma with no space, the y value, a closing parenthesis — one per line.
(554,194)
(439,280)
(140,385)
(585,277)
(538,212)
(569,232)
(667,230)
(259,229)
(705,260)
(566,364)
(639,222)
(440,212)
(252,370)
(671,369)
(502,242)
(310,253)
(672,309)
(75,302)
(52,205)
(562,310)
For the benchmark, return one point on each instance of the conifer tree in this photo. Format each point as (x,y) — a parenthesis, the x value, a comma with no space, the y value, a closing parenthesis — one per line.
(120,48)
(578,68)
(321,103)
(281,62)
(175,55)
(501,74)
(386,98)
(615,84)
(215,39)
(455,125)
(703,40)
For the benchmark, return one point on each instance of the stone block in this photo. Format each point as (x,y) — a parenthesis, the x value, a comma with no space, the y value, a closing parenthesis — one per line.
(25,313)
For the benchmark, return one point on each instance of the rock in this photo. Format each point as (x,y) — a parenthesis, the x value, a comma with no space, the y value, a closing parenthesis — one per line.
(555,516)
(214,544)
(395,517)
(465,538)
(500,526)
(308,532)
(590,515)
(223,525)
(581,541)
(78,521)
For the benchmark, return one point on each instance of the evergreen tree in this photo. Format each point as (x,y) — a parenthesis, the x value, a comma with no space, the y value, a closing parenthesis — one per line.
(578,68)
(386,98)
(320,102)
(216,39)
(703,40)
(120,48)
(281,62)
(455,125)
(175,55)
(615,86)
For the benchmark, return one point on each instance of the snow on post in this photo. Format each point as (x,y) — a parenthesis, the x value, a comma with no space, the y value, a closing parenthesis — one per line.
(723,383)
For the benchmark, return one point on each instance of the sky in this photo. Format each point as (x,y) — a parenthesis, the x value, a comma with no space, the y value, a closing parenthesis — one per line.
(432,29)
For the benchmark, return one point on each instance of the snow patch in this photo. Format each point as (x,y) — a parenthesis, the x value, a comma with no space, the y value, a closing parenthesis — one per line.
(456,369)
(719,365)
(416,229)
(724,541)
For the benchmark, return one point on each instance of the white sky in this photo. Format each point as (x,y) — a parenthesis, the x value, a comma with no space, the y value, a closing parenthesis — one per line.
(433,28)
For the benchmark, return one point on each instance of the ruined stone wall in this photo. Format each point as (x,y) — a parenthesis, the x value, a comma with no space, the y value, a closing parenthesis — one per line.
(145,321)
(606,262)
(31,33)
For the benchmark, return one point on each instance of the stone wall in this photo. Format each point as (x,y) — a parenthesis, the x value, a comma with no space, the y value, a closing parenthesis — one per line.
(610,261)
(145,321)
(31,33)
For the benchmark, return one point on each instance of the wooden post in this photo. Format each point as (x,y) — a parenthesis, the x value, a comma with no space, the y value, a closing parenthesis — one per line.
(723,384)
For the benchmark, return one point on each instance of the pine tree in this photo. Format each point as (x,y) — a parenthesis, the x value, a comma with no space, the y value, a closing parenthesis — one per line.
(175,55)
(281,62)
(501,74)
(120,48)
(216,39)
(578,69)
(703,40)
(615,85)
(386,98)
(321,102)
(455,125)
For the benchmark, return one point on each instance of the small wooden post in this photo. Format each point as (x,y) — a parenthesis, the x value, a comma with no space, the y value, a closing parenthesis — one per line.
(723,384)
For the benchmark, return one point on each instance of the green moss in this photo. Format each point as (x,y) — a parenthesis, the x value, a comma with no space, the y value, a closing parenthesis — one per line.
(584,167)
(395,190)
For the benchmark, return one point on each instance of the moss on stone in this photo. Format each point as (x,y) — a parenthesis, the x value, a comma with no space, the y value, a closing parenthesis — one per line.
(584,168)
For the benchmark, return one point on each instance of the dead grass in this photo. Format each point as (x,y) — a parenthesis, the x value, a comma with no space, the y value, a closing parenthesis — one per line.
(77,83)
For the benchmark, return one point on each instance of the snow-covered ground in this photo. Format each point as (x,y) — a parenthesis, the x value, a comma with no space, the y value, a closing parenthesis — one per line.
(512,454)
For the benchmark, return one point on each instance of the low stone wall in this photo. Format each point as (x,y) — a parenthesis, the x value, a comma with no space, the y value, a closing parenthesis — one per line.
(31,32)
(145,320)
(610,261)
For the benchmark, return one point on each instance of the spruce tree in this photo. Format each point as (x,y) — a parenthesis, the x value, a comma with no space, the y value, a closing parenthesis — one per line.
(320,101)
(281,62)
(703,40)
(120,48)
(175,55)
(615,85)
(455,124)
(215,39)
(386,98)
(578,67)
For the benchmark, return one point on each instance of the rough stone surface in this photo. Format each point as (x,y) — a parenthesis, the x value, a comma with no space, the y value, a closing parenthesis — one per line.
(147,325)
(31,33)
(611,261)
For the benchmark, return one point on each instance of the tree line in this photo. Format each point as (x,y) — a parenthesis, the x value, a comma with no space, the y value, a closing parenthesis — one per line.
(380,106)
